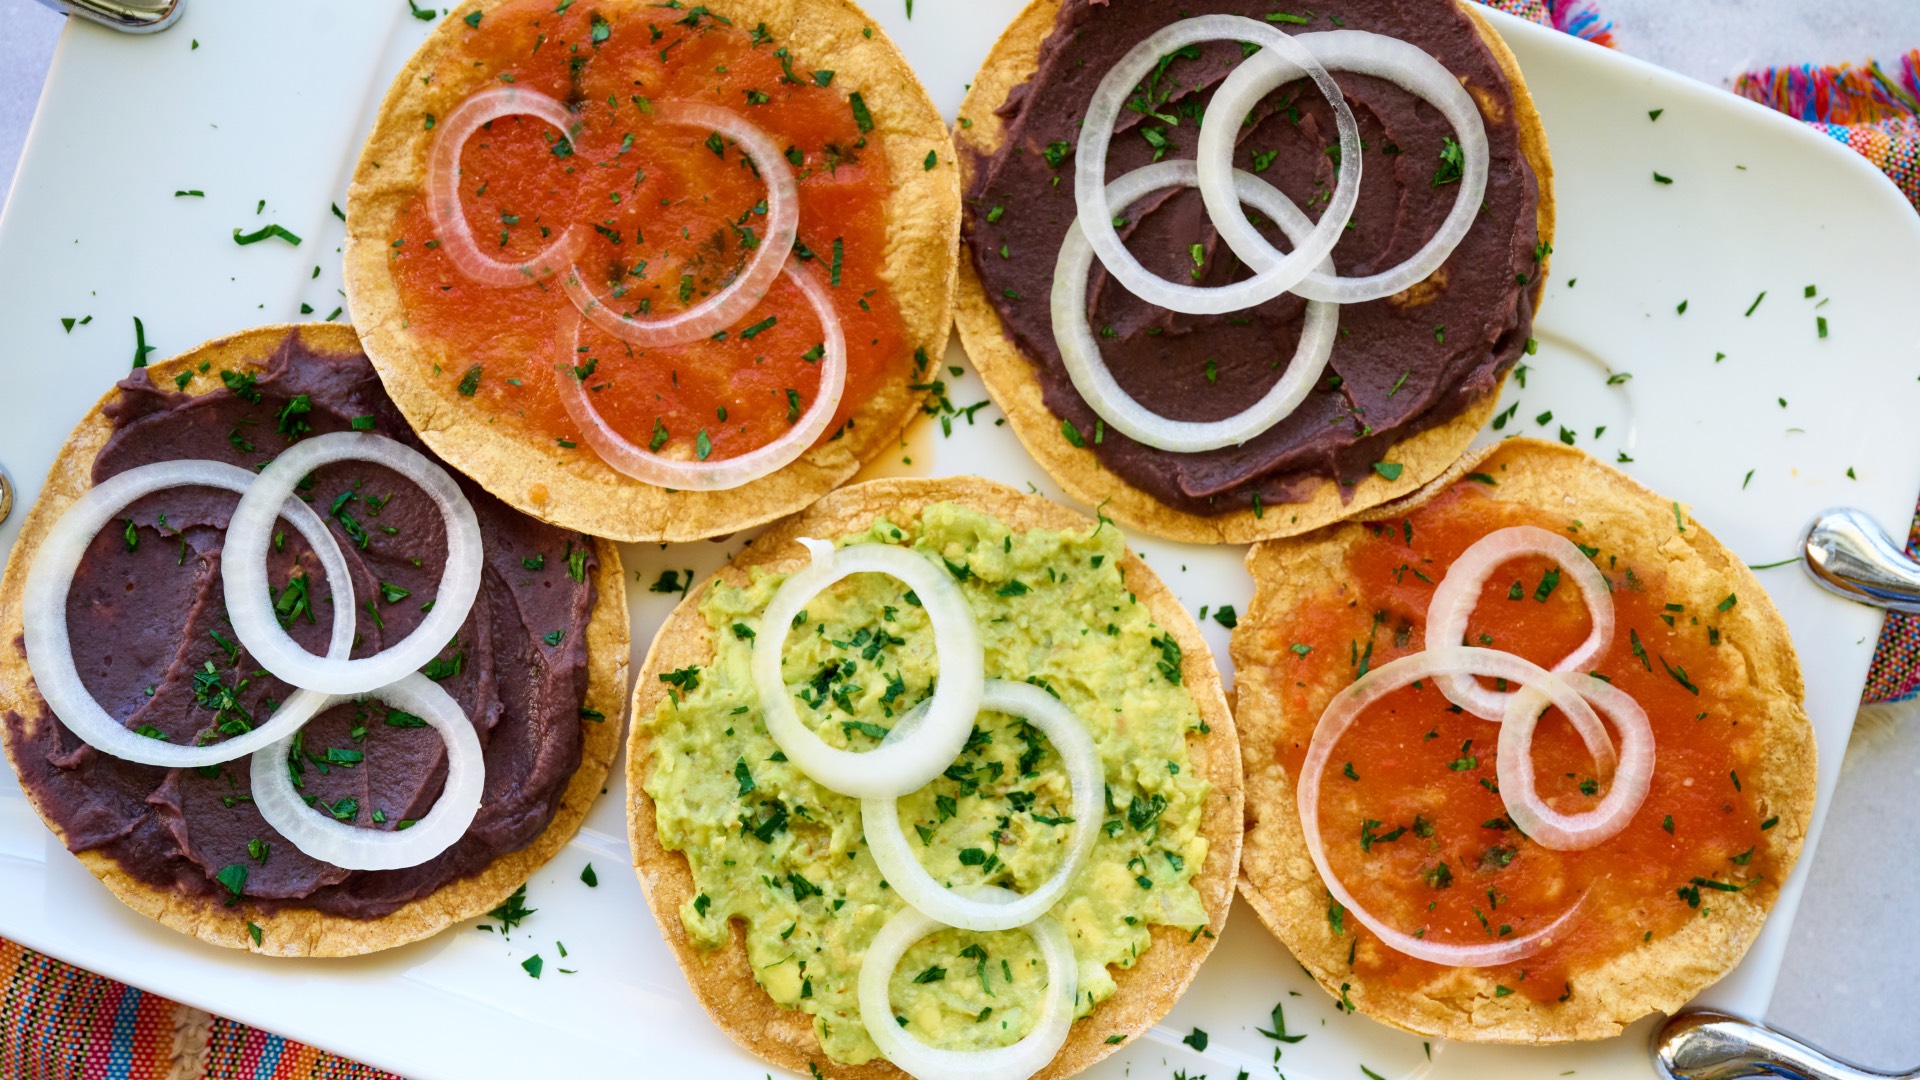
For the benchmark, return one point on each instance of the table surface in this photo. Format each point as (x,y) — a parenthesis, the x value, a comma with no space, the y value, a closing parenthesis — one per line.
(1853,929)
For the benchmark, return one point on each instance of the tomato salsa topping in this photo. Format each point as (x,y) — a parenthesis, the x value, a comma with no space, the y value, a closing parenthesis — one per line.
(1411,814)
(674,214)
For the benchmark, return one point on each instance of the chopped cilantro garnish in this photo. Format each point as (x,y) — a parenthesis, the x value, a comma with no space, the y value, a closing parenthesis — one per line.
(234,877)
(401,719)
(243,239)
(1453,162)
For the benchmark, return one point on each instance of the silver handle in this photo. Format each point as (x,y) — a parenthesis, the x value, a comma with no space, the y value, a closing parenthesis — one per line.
(132,16)
(1708,1045)
(1848,553)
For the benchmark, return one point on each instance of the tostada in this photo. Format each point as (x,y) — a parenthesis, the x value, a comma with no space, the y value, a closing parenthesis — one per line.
(1526,758)
(280,680)
(1236,269)
(655,271)
(923,706)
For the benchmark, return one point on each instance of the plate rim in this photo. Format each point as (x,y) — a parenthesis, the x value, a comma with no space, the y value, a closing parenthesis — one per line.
(117,964)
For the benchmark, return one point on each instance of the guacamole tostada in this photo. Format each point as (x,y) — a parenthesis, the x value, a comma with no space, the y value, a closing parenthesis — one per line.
(1023,732)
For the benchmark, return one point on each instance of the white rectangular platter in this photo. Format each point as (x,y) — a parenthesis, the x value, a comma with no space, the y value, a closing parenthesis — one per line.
(253,101)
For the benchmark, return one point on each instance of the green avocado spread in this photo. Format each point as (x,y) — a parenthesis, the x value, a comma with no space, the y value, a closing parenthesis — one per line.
(787,858)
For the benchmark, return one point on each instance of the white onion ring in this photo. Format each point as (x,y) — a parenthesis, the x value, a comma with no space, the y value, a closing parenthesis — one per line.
(745,292)
(642,464)
(350,848)
(1340,715)
(1096,135)
(888,844)
(895,767)
(50,649)
(1401,63)
(923,1062)
(244,569)
(443,186)
(1514,766)
(1080,350)
(1459,593)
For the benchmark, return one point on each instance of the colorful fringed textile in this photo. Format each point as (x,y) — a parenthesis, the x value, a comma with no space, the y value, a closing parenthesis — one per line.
(1874,110)
(1577,17)
(60,1023)
(1582,20)
(1837,95)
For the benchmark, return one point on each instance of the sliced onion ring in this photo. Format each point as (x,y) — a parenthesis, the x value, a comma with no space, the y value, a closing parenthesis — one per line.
(745,292)
(888,844)
(443,187)
(1096,135)
(50,649)
(896,767)
(1080,350)
(1405,65)
(642,464)
(923,1062)
(1542,823)
(351,848)
(244,567)
(1459,593)
(1346,708)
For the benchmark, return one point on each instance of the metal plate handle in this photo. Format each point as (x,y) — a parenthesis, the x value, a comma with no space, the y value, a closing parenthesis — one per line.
(1708,1045)
(1848,553)
(132,16)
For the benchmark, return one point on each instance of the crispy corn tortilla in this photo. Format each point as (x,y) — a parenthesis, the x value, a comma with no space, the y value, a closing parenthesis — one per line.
(723,980)
(291,931)
(1010,377)
(577,490)
(1278,877)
